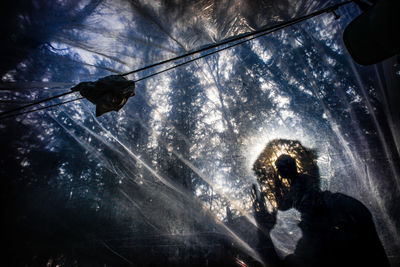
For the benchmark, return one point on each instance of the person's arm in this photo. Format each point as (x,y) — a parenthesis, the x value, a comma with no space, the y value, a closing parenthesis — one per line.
(265,222)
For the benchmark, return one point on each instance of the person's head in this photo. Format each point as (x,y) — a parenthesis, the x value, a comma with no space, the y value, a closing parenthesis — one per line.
(286,167)
(284,180)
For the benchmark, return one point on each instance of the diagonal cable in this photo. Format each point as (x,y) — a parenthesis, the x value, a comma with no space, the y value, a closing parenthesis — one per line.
(240,40)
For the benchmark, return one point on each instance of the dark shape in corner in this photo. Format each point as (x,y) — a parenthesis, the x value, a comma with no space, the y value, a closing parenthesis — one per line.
(374,35)
(108,93)
(337,230)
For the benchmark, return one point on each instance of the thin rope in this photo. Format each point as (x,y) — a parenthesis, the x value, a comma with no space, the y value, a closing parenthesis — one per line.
(261,33)
(197,58)
(42,108)
(243,36)
(35,103)
(253,35)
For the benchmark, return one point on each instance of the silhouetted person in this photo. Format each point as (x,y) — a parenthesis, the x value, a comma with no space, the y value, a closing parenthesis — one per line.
(337,230)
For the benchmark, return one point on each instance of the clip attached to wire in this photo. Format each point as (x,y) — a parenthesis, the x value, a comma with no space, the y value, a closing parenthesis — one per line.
(108,93)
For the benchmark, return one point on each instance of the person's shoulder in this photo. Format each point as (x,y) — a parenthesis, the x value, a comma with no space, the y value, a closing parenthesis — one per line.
(341,199)
(346,203)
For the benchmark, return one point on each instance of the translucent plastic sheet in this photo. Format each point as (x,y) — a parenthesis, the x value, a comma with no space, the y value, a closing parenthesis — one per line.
(167,180)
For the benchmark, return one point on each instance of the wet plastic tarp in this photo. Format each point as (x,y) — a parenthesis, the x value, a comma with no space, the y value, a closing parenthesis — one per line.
(167,180)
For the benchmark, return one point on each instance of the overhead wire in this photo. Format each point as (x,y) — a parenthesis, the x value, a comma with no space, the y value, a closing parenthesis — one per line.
(246,36)
(41,108)
(33,104)
(243,36)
